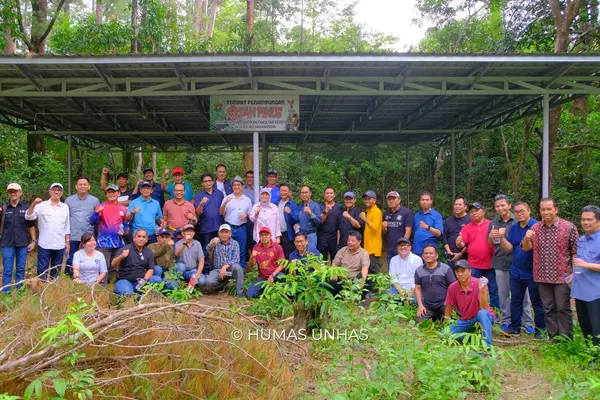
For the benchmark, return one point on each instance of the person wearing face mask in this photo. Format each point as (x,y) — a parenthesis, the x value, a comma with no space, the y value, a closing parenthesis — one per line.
(89,265)
(266,254)
(402,269)
(266,214)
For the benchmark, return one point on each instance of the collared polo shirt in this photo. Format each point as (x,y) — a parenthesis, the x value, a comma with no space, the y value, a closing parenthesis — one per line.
(309,223)
(157,194)
(452,227)
(345,226)
(146,217)
(434,283)
(522,262)
(373,241)
(475,238)
(501,259)
(328,229)
(237,206)
(175,213)
(554,247)
(16,227)
(189,191)
(267,258)
(191,255)
(135,265)
(397,221)
(422,236)
(353,261)
(586,283)
(53,224)
(80,211)
(310,249)
(210,219)
(467,303)
(402,272)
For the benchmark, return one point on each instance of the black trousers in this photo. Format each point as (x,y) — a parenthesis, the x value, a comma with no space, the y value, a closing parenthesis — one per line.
(327,247)
(287,244)
(588,315)
(556,299)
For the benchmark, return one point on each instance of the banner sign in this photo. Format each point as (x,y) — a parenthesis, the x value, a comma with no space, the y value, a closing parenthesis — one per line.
(254,113)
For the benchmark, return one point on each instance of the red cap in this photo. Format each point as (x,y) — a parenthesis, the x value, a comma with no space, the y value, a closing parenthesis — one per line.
(177,170)
(264,229)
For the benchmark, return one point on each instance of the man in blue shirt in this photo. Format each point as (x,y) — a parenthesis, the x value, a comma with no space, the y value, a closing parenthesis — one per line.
(303,248)
(521,272)
(208,204)
(157,191)
(145,211)
(221,183)
(288,217)
(586,276)
(427,224)
(272,184)
(177,178)
(309,215)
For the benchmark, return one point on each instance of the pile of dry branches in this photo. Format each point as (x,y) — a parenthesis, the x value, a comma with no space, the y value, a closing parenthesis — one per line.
(152,348)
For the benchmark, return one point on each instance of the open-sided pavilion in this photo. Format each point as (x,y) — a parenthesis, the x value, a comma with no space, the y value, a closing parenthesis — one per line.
(161,102)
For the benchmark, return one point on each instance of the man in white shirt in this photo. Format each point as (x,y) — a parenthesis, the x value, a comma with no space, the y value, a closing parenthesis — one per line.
(55,231)
(235,209)
(402,270)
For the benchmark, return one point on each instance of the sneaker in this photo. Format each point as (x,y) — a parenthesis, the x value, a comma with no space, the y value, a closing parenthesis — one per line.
(539,336)
(504,327)
(513,332)
(530,330)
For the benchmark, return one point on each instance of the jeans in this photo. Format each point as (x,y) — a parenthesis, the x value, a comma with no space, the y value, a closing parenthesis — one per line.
(8,261)
(126,287)
(49,259)
(214,280)
(240,235)
(490,274)
(556,299)
(312,239)
(69,265)
(504,293)
(518,291)
(484,318)
(256,288)
(188,273)
(158,271)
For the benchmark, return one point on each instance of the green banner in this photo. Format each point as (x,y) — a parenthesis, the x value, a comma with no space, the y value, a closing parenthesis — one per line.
(254,113)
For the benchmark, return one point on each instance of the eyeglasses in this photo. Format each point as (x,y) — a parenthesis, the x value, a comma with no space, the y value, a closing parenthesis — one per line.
(519,211)
(207,181)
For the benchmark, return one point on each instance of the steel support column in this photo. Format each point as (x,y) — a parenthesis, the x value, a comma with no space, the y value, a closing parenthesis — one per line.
(69,163)
(255,150)
(453,139)
(407,181)
(546,147)
(264,168)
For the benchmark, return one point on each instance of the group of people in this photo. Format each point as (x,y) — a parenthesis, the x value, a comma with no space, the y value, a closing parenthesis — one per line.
(512,263)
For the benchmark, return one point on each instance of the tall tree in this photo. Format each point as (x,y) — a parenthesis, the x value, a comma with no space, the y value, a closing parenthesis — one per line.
(98,11)
(250,23)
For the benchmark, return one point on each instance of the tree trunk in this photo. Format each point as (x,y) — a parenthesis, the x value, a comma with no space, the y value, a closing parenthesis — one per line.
(198,15)
(10,46)
(247,159)
(154,161)
(135,46)
(39,13)
(140,163)
(213,16)
(250,23)
(529,125)
(439,161)
(98,12)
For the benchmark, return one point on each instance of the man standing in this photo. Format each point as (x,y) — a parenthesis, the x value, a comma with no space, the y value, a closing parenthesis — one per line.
(309,215)
(235,209)
(110,217)
(586,277)
(428,224)
(469,297)
(327,238)
(554,244)
(55,231)
(81,207)
(272,184)
(178,212)
(156,193)
(373,241)
(177,178)
(474,237)
(222,184)
(288,217)
(225,260)
(208,203)
(452,227)
(145,212)
(397,224)
(350,220)
(17,237)
(249,186)
(502,260)
(432,280)
(267,254)
(189,257)
(521,272)
(402,269)
(125,194)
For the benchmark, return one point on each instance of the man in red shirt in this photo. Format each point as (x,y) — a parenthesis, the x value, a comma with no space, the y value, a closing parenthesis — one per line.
(266,254)
(474,236)
(469,297)
(178,212)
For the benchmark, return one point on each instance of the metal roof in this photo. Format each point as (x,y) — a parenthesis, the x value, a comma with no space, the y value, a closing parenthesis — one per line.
(162,101)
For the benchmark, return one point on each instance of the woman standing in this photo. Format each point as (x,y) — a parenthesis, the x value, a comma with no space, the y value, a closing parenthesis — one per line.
(89,265)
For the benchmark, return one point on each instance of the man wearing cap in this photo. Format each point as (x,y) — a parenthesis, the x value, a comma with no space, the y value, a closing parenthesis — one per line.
(327,238)
(221,182)
(54,228)
(17,237)
(125,193)
(110,217)
(236,209)
(350,220)
(81,207)
(402,269)
(432,280)
(164,255)
(145,212)
(249,187)
(452,227)
(265,213)
(288,218)
(373,219)
(178,212)
(474,237)
(469,297)
(427,224)
(266,253)
(309,215)
(225,253)
(189,257)
(272,184)
(177,178)
(397,223)
(208,204)
(157,192)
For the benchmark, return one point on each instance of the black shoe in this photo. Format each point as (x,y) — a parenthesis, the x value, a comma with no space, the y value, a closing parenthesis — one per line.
(539,336)
(513,332)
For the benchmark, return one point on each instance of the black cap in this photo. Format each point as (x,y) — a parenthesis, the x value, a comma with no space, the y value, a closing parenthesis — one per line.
(476,205)
(402,240)
(122,175)
(462,264)
(147,169)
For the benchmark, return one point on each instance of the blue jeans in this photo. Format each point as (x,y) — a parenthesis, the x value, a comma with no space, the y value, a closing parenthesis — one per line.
(256,288)
(490,274)
(312,239)
(69,266)
(518,291)
(125,287)
(187,274)
(49,259)
(8,261)
(158,271)
(240,235)
(484,318)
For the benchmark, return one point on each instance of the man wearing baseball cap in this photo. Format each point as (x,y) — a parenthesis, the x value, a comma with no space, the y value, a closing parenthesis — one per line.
(397,223)
(55,231)
(157,191)
(225,253)
(145,212)
(469,297)
(125,193)
(272,184)
(266,253)
(177,178)
(402,269)
(372,218)
(350,220)
(17,237)
(190,257)
(164,255)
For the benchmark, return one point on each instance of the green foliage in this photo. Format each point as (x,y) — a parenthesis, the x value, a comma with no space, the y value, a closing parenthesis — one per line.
(65,385)
(70,328)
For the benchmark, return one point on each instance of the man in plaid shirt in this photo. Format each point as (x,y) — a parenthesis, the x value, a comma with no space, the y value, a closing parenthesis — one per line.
(225,261)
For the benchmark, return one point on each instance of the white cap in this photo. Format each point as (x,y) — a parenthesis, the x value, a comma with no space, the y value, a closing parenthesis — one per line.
(13,186)
(56,184)
(226,227)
